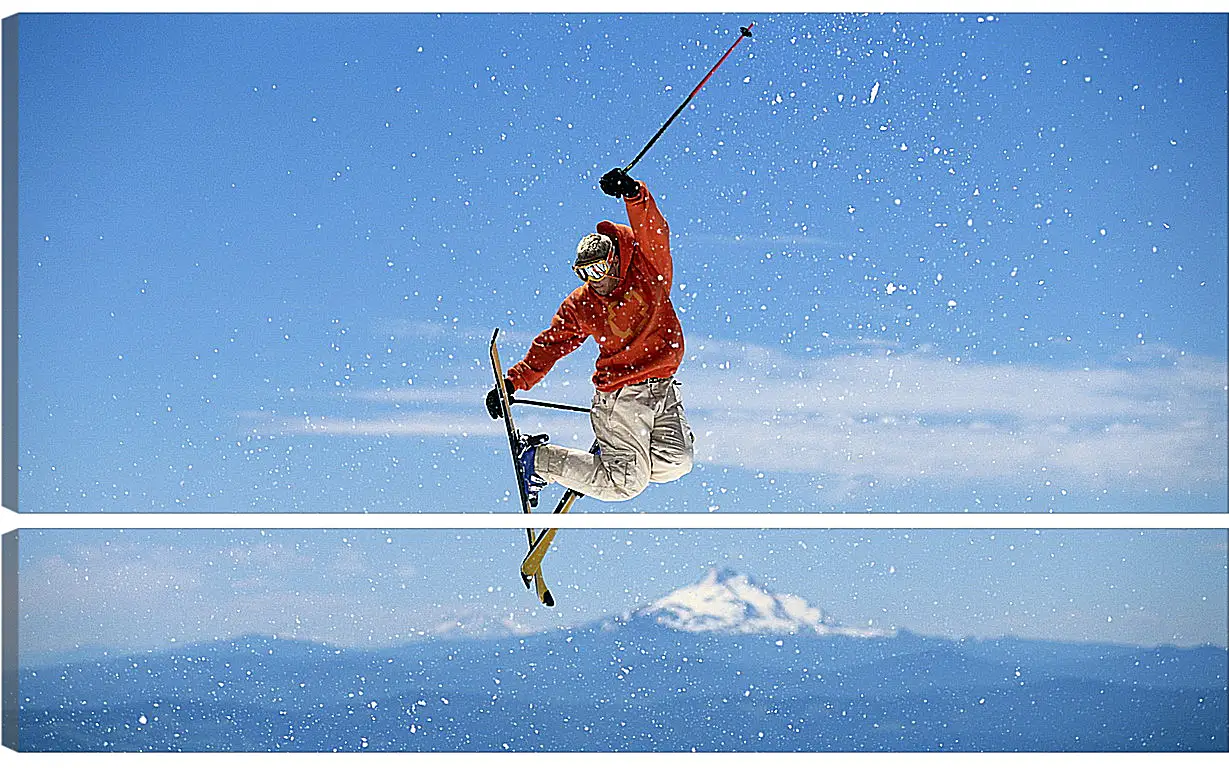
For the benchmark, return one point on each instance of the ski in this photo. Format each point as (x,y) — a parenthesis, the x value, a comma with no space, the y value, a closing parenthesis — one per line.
(537,548)
(534,577)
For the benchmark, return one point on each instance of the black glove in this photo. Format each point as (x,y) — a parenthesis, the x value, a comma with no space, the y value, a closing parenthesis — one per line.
(617,183)
(494,405)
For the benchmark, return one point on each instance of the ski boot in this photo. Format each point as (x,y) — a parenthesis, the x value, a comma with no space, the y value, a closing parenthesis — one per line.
(533,482)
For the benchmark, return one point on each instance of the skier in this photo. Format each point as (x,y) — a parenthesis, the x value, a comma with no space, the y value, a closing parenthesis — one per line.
(641,431)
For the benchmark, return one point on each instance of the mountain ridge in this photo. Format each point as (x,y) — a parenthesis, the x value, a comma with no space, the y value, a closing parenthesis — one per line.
(683,673)
(724,602)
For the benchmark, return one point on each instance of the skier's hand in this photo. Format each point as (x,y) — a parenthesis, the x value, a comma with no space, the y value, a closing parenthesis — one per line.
(494,405)
(618,183)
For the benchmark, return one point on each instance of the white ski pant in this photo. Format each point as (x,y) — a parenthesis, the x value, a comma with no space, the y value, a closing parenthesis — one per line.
(643,436)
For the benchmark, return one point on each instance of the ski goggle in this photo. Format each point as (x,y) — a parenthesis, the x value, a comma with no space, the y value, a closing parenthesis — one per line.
(591,273)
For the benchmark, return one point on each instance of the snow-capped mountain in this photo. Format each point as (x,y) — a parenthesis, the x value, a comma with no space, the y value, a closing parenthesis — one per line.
(728,602)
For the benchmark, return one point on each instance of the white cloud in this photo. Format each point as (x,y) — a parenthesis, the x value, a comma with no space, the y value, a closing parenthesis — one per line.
(876,412)
(895,416)
(417,423)
(457,396)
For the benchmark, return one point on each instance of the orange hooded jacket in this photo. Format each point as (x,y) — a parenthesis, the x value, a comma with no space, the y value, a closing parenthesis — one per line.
(637,332)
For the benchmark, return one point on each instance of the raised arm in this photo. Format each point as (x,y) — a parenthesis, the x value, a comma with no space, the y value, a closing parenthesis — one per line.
(647,223)
(651,230)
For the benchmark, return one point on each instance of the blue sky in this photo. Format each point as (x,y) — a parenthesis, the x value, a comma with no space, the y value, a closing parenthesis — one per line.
(923,262)
(146,589)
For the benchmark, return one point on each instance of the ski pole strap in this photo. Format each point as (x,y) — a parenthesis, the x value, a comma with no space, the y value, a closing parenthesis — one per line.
(743,32)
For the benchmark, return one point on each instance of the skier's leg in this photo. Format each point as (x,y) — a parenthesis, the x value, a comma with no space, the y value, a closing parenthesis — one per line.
(671,446)
(622,424)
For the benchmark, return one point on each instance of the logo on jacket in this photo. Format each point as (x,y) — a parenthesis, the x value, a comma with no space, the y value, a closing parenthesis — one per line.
(627,316)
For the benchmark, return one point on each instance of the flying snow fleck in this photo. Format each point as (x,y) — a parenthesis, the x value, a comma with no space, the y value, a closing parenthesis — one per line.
(874,91)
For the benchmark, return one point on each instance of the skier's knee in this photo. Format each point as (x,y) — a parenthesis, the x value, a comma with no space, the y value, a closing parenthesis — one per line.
(677,469)
(686,461)
(674,467)
(627,482)
(633,486)
(666,473)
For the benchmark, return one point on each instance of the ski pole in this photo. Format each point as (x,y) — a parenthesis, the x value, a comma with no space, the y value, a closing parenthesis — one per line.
(743,32)
(578,408)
